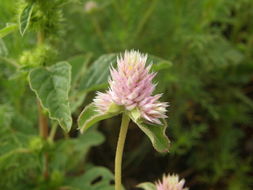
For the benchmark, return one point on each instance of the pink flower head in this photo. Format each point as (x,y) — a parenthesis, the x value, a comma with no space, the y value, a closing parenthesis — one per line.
(131,86)
(171,182)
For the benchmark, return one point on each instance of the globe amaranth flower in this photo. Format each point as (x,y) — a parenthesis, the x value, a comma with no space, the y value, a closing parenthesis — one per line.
(171,182)
(131,87)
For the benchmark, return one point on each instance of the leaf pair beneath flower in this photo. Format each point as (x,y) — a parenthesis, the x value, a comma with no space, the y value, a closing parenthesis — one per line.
(155,132)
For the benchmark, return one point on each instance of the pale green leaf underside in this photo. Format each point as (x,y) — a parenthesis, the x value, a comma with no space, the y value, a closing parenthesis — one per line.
(90,116)
(51,86)
(24,18)
(98,73)
(7,30)
(156,134)
(147,186)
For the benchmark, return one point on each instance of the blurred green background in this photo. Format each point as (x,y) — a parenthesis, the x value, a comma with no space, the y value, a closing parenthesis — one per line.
(209,87)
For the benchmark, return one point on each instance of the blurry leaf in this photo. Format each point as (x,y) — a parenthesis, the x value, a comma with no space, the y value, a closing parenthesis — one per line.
(85,141)
(8,29)
(90,116)
(244,98)
(3,49)
(6,114)
(51,86)
(76,100)
(15,164)
(156,134)
(79,66)
(188,139)
(147,186)
(61,158)
(97,75)
(24,18)
(158,63)
(97,178)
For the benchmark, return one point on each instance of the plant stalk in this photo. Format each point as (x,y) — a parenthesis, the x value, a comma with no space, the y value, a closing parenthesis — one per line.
(52,132)
(43,123)
(43,120)
(119,150)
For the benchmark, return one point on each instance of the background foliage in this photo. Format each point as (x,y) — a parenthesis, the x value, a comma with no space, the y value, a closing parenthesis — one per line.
(209,86)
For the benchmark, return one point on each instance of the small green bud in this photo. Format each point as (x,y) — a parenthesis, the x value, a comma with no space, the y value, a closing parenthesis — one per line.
(56,178)
(36,144)
(41,55)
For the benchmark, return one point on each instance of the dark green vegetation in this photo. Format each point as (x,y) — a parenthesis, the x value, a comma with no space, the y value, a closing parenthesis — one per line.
(209,86)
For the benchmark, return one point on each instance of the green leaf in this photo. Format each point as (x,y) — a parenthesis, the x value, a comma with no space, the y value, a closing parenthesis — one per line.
(64,149)
(79,66)
(156,134)
(147,186)
(24,18)
(97,178)
(7,30)
(158,63)
(3,49)
(90,116)
(51,85)
(97,75)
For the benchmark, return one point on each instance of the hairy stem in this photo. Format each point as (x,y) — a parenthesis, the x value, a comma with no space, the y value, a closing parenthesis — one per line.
(119,150)
(43,123)
(43,130)
(52,132)
(43,120)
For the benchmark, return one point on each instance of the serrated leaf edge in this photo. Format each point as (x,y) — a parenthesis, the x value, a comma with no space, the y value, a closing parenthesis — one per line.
(38,98)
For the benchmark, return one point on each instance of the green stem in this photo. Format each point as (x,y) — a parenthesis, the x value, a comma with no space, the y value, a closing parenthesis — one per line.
(52,132)
(119,150)
(43,120)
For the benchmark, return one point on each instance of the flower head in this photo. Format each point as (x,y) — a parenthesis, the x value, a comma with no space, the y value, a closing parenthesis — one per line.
(131,87)
(171,182)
